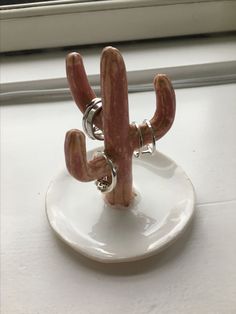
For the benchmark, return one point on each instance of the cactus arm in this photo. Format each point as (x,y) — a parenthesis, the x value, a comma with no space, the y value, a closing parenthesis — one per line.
(165,106)
(79,84)
(164,115)
(76,159)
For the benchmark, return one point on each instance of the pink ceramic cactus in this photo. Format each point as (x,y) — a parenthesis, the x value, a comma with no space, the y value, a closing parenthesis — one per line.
(120,137)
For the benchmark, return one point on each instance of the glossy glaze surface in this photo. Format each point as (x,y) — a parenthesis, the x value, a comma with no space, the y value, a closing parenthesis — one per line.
(78,214)
(120,138)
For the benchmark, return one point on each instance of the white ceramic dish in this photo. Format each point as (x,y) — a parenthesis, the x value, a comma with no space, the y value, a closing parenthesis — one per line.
(164,206)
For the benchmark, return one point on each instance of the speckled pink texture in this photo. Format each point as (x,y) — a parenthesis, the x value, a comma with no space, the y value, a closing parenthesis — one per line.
(120,137)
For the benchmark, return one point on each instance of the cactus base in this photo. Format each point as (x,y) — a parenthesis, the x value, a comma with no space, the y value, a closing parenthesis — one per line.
(160,212)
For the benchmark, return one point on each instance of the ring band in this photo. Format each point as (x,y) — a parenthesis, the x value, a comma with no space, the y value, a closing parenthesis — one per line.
(145,149)
(138,152)
(151,148)
(93,108)
(103,185)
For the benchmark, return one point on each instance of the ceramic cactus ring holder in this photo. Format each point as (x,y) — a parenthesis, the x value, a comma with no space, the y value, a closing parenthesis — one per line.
(148,201)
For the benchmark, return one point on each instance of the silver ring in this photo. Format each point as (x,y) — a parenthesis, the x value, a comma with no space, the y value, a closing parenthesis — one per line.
(138,152)
(103,185)
(150,148)
(89,128)
(145,149)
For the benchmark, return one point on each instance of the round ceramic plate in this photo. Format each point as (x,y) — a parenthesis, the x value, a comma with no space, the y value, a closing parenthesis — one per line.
(163,207)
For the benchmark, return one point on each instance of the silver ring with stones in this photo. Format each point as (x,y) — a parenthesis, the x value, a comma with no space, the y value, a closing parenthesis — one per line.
(103,184)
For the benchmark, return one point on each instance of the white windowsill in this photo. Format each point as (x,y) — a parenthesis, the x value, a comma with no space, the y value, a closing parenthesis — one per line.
(195,275)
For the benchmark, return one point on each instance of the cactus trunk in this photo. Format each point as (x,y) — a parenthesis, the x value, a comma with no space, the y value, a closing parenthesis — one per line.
(116,124)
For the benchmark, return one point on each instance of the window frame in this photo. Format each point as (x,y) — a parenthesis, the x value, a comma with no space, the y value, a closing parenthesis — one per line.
(63,23)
